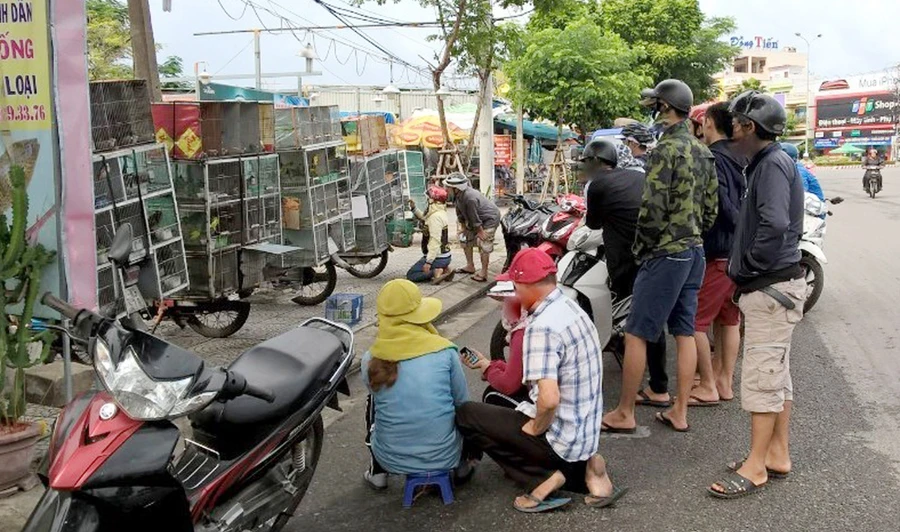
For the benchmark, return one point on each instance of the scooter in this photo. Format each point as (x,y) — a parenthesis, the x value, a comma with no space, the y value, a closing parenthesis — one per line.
(872,178)
(812,244)
(117,461)
(558,228)
(584,278)
(522,224)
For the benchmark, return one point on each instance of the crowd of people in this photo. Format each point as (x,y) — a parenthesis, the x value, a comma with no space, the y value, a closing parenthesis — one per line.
(701,229)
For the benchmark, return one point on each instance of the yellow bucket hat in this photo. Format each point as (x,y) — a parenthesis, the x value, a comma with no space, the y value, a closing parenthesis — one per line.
(402,300)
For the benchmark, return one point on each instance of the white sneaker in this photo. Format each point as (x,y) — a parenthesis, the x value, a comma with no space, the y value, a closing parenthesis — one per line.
(377,481)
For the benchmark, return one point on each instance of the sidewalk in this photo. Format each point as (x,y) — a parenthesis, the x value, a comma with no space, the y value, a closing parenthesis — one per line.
(273,313)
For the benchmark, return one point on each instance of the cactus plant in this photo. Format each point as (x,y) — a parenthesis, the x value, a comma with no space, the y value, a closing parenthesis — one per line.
(21,266)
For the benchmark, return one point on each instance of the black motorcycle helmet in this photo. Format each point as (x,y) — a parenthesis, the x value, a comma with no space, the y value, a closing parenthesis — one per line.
(762,109)
(603,150)
(674,92)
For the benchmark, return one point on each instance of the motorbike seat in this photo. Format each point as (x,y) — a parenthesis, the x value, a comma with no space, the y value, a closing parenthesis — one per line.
(289,366)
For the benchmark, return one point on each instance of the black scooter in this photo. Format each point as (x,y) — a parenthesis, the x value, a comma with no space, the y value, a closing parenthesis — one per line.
(521,225)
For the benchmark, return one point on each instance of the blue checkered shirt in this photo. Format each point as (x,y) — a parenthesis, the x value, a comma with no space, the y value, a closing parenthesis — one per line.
(561,344)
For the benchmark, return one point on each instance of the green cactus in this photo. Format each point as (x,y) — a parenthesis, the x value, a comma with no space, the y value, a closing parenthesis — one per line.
(21,266)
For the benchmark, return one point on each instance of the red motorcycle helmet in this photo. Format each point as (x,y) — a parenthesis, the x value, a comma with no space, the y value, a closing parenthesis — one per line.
(437,194)
(698,113)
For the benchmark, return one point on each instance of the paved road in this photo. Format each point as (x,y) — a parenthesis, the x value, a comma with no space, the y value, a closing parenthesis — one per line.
(847,459)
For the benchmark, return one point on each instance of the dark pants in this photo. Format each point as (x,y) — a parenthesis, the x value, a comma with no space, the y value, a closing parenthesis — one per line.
(622,286)
(528,460)
(416,273)
(493,397)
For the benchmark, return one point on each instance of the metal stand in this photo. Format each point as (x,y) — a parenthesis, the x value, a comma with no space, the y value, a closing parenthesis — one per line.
(558,169)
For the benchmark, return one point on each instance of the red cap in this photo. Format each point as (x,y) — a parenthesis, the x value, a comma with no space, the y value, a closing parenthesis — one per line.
(438,194)
(528,266)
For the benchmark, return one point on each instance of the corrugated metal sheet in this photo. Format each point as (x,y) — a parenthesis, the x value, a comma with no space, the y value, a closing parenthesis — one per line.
(364,100)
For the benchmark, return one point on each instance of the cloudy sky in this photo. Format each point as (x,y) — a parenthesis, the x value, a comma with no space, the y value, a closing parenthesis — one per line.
(858,36)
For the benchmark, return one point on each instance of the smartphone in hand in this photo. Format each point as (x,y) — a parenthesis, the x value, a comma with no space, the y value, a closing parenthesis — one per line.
(470,355)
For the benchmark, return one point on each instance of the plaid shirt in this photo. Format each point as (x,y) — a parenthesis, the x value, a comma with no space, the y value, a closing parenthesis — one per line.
(561,344)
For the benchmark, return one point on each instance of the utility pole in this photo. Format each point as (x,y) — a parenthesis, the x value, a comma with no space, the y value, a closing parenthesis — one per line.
(486,127)
(143,46)
(520,151)
(257,61)
(808,131)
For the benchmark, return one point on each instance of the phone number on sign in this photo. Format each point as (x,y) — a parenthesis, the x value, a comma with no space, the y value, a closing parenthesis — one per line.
(23,113)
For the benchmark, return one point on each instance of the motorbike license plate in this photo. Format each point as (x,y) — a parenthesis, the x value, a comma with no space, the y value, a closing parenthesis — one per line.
(134,301)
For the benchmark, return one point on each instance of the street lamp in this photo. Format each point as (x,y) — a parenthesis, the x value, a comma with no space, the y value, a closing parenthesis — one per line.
(808,115)
(443,91)
(309,54)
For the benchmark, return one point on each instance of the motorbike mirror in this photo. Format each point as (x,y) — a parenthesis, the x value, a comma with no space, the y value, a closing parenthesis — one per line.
(837,200)
(120,249)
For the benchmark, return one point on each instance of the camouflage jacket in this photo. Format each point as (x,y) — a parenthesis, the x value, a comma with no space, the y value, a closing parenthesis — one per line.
(680,199)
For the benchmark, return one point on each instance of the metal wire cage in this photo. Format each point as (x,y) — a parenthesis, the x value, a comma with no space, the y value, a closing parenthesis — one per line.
(120,114)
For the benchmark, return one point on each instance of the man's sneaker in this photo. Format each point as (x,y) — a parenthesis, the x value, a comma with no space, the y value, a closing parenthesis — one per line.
(377,481)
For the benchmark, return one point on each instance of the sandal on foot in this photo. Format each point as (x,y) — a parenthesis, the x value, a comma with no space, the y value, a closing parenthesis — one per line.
(603,502)
(478,279)
(616,430)
(693,400)
(661,417)
(777,475)
(735,486)
(464,271)
(542,505)
(646,400)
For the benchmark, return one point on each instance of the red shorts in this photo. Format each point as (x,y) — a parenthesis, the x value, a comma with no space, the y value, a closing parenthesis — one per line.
(714,300)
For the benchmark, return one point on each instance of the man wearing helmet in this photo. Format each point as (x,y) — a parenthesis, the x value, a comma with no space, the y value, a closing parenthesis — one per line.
(679,203)
(613,196)
(435,262)
(638,138)
(765,265)
(479,218)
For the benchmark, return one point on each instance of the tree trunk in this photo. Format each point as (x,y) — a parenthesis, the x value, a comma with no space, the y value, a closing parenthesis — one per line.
(438,71)
(143,47)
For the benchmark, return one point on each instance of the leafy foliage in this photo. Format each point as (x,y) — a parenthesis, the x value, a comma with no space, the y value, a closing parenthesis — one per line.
(108,40)
(562,77)
(173,67)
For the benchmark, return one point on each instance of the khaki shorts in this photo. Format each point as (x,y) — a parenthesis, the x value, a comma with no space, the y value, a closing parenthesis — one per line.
(486,245)
(766,367)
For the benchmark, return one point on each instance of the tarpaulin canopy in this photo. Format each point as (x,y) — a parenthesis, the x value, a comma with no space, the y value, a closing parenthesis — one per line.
(425,131)
(532,129)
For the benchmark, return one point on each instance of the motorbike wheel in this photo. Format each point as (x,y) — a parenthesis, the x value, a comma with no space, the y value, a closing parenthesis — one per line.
(370,269)
(305,458)
(316,284)
(873,186)
(219,320)
(499,345)
(815,281)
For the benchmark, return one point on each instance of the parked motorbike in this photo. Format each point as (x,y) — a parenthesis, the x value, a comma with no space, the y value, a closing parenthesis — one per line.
(558,228)
(812,243)
(522,224)
(117,461)
(584,278)
(873,177)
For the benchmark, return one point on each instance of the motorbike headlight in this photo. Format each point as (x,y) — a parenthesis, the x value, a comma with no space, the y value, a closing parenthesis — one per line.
(139,396)
(814,206)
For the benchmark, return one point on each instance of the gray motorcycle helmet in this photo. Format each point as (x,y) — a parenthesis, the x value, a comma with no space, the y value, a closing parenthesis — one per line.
(672,91)
(601,150)
(761,108)
(639,132)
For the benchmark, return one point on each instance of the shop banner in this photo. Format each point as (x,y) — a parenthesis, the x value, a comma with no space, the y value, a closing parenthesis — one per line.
(857,110)
(503,152)
(221,92)
(26,121)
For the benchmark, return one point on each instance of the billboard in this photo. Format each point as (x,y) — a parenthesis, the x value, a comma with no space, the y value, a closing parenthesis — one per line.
(867,110)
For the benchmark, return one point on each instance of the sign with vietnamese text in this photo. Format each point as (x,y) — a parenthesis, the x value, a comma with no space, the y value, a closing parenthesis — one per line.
(25,70)
(503,150)
(754,43)
(222,92)
(858,110)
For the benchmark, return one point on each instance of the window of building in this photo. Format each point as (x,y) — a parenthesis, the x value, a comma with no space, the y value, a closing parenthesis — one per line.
(741,65)
(758,66)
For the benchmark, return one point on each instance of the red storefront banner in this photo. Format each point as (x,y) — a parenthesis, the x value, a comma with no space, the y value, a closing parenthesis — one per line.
(503,150)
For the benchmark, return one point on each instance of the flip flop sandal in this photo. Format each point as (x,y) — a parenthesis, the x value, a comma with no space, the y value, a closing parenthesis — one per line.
(478,279)
(777,475)
(645,400)
(661,417)
(696,401)
(736,486)
(603,502)
(464,271)
(616,430)
(542,505)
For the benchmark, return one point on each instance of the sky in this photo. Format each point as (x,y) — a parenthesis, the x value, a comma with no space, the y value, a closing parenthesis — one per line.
(858,36)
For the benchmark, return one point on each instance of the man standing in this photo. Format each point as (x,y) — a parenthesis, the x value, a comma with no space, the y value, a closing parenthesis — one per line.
(765,265)
(613,202)
(638,138)
(714,303)
(480,219)
(552,441)
(679,203)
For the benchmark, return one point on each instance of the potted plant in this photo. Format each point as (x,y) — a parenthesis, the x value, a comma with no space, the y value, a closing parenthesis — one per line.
(21,265)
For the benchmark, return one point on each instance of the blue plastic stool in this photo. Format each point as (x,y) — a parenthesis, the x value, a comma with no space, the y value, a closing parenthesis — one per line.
(434,478)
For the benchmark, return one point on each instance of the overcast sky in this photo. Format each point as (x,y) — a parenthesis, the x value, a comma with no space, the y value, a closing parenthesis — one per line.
(858,36)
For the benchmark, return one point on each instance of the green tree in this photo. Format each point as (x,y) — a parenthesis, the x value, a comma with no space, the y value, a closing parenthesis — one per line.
(751,84)
(173,67)
(108,40)
(562,77)
(677,40)
(560,13)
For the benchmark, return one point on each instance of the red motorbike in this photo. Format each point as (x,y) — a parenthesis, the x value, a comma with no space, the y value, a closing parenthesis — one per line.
(558,228)
(117,461)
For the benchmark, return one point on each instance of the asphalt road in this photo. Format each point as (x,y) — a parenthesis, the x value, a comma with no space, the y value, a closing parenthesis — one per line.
(845,433)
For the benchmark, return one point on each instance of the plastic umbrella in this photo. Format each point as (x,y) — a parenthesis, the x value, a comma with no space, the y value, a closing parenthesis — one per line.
(847,149)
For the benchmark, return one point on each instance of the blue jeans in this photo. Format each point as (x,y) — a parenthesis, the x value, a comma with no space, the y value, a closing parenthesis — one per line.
(665,292)
(416,275)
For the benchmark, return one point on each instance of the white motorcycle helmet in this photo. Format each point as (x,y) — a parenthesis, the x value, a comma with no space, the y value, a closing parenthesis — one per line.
(457,180)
